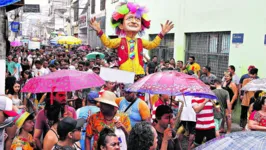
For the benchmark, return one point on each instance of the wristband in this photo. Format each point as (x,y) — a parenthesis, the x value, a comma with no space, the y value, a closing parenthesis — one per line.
(161,35)
(100,33)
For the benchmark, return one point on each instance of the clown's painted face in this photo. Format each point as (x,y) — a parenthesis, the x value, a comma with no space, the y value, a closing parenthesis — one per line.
(131,23)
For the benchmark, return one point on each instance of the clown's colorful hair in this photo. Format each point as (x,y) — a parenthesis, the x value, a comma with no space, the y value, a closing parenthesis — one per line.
(123,9)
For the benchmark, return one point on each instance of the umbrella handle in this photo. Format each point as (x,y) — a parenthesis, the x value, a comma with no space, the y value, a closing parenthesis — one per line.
(184,99)
(52,96)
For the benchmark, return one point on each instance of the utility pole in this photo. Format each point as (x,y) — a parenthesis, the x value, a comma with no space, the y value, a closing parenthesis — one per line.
(70,20)
(2,49)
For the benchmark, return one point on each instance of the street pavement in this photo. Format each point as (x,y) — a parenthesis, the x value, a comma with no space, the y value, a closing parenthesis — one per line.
(235,128)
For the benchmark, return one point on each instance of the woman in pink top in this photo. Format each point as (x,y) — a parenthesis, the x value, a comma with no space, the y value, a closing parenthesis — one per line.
(257,119)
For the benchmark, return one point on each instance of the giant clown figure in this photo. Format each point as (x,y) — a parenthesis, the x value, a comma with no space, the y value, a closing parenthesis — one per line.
(130,19)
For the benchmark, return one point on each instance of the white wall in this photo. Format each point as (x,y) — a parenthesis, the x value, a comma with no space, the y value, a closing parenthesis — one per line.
(238,16)
(2,76)
(98,12)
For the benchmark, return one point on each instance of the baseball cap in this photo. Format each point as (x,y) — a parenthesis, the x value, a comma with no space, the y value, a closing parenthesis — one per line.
(251,67)
(69,124)
(6,106)
(92,95)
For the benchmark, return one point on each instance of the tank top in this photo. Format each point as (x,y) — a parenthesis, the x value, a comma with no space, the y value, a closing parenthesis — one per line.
(229,90)
(132,112)
(16,101)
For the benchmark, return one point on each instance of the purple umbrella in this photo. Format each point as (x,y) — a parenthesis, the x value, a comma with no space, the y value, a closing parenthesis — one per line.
(172,83)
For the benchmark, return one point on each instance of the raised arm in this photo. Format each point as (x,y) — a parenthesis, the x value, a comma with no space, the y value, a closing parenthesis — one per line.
(110,43)
(198,107)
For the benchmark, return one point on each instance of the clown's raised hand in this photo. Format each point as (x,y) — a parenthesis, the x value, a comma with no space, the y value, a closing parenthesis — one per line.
(167,27)
(95,25)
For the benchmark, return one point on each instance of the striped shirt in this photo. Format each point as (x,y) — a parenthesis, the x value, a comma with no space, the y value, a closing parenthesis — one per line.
(157,104)
(205,118)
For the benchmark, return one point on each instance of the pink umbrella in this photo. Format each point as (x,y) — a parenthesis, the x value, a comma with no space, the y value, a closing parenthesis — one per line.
(172,83)
(63,80)
(15,43)
(83,47)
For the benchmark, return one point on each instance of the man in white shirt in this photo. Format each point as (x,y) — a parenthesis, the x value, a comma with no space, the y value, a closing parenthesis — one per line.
(232,70)
(31,57)
(39,70)
(45,66)
(235,78)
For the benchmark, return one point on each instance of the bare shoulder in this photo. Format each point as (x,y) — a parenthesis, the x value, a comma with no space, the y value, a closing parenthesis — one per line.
(50,137)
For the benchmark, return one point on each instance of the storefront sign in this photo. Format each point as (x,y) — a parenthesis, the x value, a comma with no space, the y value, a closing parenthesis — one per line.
(15,26)
(265,39)
(238,38)
(31,8)
(83,21)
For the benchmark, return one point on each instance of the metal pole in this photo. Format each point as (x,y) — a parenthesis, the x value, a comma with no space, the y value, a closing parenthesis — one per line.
(54,19)
(70,21)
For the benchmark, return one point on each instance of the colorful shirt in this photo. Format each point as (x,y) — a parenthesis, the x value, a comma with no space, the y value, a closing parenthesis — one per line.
(137,112)
(205,118)
(23,143)
(256,116)
(194,67)
(97,122)
(131,65)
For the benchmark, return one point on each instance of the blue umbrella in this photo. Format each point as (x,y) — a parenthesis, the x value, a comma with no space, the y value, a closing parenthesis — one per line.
(245,140)
(54,40)
(4,3)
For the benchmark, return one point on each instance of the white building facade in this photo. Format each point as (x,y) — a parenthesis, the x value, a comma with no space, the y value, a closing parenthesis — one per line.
(97,9)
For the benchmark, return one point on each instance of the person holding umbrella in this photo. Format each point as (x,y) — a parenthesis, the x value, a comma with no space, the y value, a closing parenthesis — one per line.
(164,116)
(205,126)
(41,124)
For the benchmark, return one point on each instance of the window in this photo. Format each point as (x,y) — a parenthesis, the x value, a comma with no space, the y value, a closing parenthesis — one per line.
(92,6)
(211,49)
(165,50)
(102,5)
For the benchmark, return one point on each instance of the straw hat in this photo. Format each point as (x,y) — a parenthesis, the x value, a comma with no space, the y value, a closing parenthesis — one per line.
(108,98)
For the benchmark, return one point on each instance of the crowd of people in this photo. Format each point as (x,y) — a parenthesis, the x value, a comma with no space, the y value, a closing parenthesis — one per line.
(109,117)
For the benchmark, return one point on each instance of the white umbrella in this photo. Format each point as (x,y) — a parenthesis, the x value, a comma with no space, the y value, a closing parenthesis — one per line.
(255,85)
